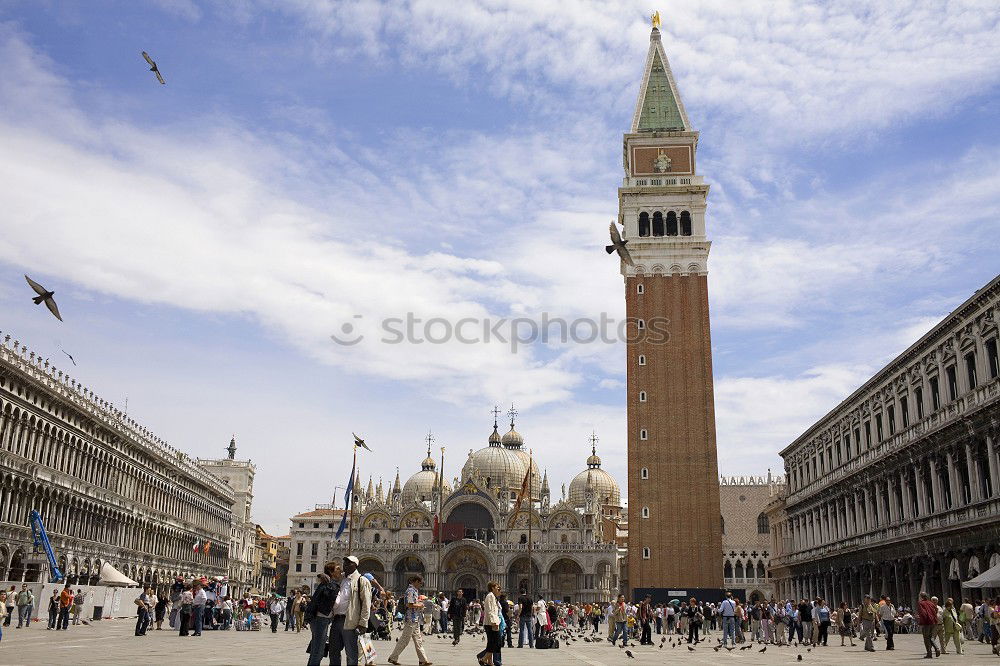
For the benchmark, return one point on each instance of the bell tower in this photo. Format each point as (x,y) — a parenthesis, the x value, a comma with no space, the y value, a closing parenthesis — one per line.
(674,515)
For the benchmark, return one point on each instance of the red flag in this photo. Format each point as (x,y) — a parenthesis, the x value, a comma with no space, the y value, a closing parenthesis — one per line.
(525,490)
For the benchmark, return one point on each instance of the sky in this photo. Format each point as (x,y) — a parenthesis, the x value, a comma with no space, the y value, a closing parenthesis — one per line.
(311,166)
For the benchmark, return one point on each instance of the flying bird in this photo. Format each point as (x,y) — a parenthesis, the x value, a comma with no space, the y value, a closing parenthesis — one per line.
(153,68)
(618,245)
(69,355)
(360,442)
(44,296)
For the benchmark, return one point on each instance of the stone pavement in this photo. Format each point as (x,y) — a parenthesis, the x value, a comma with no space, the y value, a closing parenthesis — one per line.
(111,643)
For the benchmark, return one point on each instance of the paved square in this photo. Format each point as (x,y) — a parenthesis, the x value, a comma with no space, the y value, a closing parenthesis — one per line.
(111,643)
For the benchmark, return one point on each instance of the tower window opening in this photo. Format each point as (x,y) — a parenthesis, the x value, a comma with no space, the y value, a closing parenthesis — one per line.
(642,359)
(643,435)
(657,223)
(644,224)
(645,512)
(685,223)
(639,289)
(640,324)
(671,223)
(644,473)
(645,553)
(642,396)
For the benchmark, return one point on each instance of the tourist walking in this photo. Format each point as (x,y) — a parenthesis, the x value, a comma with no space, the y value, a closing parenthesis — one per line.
(4,612)
(78,601)
(645,617)
(411,624)
(198,607)
(927,619)
(868,615)
(489,655)
(822,611)
(728,611)
(274,609)
(952,628)
(887,615)
(25,604)
(160,611)
(319,614)
(456,612)
(143,604)
(694,618)
(53,609)
(844,621)
(619,618)
(507,619)
(185,606)
(355,601)
(9,605)
(524,619)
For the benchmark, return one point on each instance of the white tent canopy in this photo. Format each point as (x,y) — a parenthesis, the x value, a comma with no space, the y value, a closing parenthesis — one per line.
(111,576)
(989,578)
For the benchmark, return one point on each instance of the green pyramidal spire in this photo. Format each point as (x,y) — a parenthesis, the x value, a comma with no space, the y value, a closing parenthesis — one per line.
(659,107)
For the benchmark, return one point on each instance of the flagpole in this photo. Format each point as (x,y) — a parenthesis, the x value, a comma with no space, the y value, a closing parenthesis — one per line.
(531,509)
(350,502)
(440,527)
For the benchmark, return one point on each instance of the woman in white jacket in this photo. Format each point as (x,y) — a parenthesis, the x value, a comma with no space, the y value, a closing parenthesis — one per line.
(491,622)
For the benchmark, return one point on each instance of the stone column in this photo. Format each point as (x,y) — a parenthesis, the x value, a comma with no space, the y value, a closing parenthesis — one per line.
(935,486)
(904,487)
(957,499)
(994,465)
(972,466)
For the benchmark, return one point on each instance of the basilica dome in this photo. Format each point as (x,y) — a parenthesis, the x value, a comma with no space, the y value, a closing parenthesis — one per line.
(422,486)
(606,491)
(496,464)
(514,442)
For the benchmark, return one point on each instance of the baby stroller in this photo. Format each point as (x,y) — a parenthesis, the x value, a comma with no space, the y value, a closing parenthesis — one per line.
(381,622)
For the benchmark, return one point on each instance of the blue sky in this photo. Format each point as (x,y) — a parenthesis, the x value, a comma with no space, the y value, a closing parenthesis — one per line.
(310,161)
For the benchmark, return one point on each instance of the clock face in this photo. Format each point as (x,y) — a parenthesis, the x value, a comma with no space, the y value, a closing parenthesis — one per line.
(654,160)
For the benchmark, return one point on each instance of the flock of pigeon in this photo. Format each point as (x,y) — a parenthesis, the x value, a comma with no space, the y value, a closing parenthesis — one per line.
(46,295)
(569,635)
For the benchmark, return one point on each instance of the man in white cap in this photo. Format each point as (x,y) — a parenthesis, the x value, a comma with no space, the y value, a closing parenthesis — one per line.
(354,602)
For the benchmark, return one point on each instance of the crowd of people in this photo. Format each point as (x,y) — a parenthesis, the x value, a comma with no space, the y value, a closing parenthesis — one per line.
(346,610)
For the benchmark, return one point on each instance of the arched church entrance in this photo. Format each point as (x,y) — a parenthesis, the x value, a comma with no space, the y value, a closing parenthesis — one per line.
(565,579)
(466,569)
(406,567)
(519,578)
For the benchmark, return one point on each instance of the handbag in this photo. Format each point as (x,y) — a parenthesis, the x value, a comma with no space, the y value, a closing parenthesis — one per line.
(366,648)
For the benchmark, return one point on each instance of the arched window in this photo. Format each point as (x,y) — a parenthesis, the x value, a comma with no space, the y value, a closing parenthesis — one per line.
(642,396)
(644,473)
(657,223)
(739,569)
(671,223)
(645,512)
(760,570)
(722,522)
(762,526)
(644,224)
(377,538)
(642,359)
(645,553)
(640,324)
(524,538)
(727,571)
(415,538)
(685,223)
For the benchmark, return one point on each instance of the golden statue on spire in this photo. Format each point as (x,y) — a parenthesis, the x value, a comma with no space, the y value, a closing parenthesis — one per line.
(656,19)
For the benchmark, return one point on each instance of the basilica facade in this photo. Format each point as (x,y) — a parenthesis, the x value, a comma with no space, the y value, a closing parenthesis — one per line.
(464,534)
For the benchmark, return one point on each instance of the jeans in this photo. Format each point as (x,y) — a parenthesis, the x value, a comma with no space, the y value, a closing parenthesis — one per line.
(347,640)
(320,626)
(174,612)
(890,630)
(457,627)
(10,616)
(524,624)
(274,623)
(646,637)
(199,619)
(53,613)
(185,620)
(728,629)
(141,622)
(824,629)
(620,630)
(868,631)
(444,624)
(289,620)
(62,622)
(693,632)
(24,615)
